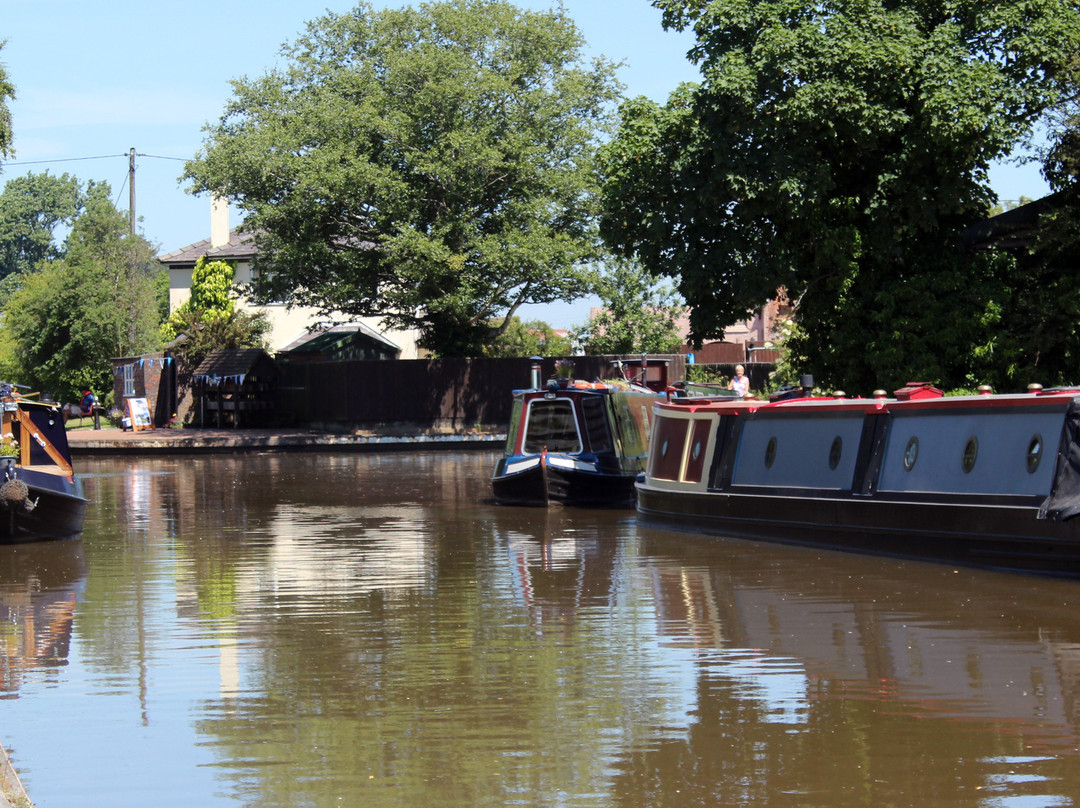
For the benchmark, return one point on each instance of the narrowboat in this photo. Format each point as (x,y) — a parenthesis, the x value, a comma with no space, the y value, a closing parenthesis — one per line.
(40,496)
(984,480)
(576,442)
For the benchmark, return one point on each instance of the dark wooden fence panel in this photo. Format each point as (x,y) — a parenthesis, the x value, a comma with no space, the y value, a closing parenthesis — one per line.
(436,394)
(732,353)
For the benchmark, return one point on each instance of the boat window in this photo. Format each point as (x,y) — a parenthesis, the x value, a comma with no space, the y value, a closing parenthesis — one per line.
(971,454)
(594,409)
(1034,453)
(770,453)
(911,453)
(515,425)
(835,451)
(551,425)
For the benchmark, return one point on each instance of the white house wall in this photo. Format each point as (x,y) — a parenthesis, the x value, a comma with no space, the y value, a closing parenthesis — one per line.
(286,325)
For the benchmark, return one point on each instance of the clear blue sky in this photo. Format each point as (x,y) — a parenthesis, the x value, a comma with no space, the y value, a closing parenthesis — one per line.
(97,78)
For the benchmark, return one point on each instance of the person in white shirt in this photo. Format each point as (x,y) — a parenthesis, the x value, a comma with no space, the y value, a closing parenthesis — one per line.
(739,383)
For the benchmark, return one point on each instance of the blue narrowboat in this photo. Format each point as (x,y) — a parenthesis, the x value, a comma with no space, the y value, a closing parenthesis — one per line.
(985,480)
(40,496)
(576,442)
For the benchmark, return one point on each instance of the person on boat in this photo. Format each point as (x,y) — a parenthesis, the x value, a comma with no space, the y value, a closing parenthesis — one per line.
(739,383)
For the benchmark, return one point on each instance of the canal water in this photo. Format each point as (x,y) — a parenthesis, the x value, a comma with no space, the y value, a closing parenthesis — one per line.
(371,630)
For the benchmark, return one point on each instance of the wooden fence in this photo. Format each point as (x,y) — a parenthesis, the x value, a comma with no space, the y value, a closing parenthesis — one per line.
(433,394)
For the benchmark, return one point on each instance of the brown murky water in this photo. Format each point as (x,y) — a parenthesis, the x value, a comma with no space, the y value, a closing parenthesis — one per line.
(346,630)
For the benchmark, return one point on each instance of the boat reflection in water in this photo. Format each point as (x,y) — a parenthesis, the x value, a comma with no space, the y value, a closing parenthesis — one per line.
(40,586)
(872,649)
(560,566)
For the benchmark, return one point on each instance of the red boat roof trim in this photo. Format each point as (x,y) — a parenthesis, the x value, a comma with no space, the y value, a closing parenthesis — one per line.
(737,406)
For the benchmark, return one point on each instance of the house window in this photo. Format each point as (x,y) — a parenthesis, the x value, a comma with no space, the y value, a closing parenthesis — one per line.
(129,381)
(260,281)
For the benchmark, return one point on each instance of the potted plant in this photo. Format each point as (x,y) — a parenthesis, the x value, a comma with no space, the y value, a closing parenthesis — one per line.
(9,453)
(564,371)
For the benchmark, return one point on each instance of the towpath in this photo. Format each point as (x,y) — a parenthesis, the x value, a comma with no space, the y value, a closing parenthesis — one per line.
(181,441)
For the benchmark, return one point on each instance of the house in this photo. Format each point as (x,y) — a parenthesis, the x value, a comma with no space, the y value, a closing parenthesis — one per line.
(1017,229)
(287,325)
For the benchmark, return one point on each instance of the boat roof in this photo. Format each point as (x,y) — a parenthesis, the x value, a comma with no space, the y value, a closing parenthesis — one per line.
(1048,398)
(578,387)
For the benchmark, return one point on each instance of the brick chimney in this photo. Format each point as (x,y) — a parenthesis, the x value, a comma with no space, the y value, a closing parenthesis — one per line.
(219,221)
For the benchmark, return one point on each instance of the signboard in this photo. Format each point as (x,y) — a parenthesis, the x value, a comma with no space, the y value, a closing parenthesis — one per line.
(138,413)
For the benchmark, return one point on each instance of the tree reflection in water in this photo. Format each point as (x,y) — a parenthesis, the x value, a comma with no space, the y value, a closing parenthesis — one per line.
(370,629)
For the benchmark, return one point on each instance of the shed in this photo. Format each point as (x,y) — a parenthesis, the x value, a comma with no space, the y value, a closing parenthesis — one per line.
(236,387)
(343,342)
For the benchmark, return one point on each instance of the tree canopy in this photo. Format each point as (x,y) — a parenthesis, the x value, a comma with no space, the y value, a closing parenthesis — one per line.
(69,317)
(7,93)
(433,166)
(839,151)
(638,315)
(529,338)
(31,209)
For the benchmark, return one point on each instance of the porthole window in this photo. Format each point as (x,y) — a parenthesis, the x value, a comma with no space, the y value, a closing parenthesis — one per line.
(695,452)
(911,453)
(971,454)
(664,448)
(835,452)
(1034,453)
(770,453)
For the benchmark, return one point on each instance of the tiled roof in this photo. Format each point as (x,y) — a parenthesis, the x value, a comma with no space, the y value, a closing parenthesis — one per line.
(241,246)
(235,362)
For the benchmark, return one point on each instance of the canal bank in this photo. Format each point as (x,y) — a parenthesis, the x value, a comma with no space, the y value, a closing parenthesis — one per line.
(12,793)
(194,441)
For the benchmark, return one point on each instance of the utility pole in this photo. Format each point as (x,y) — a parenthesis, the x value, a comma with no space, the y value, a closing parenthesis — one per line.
(131,188)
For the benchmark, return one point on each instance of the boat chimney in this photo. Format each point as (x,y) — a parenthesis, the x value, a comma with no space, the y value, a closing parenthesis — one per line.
(536,366)
(1034,388)
(839,394)
(984,390)
(806,382)
(880,394)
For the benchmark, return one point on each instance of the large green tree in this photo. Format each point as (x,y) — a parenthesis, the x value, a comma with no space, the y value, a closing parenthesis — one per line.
(1061,164)
(71,316)
(433,166)
(7,93)
(1041,322)
(838,150)
(31,209)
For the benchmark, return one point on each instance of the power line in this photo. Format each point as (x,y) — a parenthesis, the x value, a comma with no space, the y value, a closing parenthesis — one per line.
(129,180)
(61,160)
(98,157)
